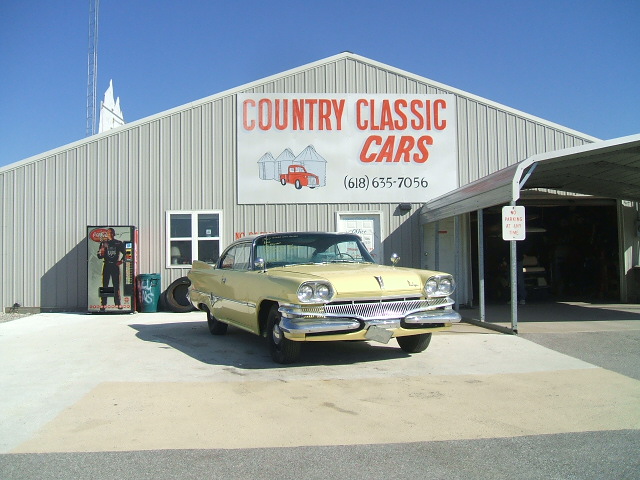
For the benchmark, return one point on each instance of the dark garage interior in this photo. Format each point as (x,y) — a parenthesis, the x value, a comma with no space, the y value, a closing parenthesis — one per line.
(570,252)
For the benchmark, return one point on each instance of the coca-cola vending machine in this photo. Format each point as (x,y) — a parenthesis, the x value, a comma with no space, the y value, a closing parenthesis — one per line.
(111,268)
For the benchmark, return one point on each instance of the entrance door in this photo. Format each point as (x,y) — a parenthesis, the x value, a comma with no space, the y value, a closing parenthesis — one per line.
(368,226)
(440,246)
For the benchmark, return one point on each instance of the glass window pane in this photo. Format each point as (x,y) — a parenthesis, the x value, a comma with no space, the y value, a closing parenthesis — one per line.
(180,225)
(208,225)
(348,250)
(229,258)
(180,252)
(243,253)
(208,251)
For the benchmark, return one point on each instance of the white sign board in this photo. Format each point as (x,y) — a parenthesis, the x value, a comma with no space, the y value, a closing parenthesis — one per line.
(345,148)
(513,223)
(368,226)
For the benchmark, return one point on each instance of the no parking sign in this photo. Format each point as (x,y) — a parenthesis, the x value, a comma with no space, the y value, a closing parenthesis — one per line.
(513,223)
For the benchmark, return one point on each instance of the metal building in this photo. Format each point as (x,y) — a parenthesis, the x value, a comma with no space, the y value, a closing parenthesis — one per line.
(190,168)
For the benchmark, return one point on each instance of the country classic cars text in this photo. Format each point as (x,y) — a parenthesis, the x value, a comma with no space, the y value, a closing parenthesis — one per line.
(413,117)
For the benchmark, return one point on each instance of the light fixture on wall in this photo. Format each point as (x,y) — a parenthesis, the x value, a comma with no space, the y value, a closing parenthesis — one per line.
(404,207)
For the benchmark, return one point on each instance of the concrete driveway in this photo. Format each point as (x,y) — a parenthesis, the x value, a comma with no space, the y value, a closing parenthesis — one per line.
(159,381)
(155,396)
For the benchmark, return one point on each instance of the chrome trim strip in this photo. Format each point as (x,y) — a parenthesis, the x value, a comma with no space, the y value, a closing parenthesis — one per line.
(318,325)
(447,316)
(215,298)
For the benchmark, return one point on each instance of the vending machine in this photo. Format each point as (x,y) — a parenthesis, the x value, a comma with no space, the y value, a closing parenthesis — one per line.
(111,268)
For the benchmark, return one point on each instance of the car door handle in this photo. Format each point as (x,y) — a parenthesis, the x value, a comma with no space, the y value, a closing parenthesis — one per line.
(224,279)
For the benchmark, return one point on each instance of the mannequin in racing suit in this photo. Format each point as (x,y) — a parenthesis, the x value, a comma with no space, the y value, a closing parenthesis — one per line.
(112,252)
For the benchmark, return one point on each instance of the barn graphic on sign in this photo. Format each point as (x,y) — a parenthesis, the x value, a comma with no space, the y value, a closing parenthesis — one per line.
(307,169)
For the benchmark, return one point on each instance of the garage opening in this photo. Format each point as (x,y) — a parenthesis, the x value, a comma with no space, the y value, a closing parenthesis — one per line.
(570,252)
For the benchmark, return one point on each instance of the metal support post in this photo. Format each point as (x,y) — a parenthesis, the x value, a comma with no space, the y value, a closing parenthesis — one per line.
(481,264)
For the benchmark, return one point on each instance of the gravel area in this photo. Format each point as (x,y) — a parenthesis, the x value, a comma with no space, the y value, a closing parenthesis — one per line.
(7,317)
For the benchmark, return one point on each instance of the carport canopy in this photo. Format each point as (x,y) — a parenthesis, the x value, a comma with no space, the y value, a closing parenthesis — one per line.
(609,169)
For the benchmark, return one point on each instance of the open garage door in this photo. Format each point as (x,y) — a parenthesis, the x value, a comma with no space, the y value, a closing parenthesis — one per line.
(570,252)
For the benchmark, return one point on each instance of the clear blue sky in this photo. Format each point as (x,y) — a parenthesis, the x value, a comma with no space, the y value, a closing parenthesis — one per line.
(576,63)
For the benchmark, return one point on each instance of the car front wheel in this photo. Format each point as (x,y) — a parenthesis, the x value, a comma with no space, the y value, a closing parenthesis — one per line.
(414,343)
(216,327)
(282,350)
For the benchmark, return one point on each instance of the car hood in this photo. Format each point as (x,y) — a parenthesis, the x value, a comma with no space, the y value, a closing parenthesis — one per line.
(362,279)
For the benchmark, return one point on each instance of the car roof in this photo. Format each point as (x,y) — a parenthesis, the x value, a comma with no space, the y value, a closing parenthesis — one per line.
(252,238)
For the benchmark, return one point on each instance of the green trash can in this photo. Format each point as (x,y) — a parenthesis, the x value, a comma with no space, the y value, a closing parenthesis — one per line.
(148,288)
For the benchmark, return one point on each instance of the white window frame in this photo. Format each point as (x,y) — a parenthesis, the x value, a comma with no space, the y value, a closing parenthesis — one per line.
(194,234)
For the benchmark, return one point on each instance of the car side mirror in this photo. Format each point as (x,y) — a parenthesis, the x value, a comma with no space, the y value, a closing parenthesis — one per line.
(395,258)
(259,264)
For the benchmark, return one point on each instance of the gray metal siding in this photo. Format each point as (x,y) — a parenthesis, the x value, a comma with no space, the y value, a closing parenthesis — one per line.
(185,159)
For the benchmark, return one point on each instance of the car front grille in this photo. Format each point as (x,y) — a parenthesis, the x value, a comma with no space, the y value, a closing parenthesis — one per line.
(374,309)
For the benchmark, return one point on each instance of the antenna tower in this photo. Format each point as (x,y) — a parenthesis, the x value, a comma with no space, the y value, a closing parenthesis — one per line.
(92,66)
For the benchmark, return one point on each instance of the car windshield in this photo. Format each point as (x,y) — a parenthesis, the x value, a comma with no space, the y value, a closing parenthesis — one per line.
(311,248)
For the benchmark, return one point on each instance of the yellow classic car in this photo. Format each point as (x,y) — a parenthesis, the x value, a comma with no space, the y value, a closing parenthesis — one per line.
(314,286)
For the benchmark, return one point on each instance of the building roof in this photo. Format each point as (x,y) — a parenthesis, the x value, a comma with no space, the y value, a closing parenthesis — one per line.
(257,84)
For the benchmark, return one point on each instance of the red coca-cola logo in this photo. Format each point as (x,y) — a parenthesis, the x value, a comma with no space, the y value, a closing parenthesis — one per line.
(99,235)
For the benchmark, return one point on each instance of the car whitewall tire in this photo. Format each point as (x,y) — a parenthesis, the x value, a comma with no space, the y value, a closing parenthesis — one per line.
(282,349)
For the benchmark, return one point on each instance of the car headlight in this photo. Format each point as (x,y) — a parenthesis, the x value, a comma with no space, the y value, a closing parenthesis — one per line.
(315,292)
(439,286)
(431,287)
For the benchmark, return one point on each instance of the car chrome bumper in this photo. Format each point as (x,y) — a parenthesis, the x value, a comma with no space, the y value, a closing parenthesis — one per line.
(297,320)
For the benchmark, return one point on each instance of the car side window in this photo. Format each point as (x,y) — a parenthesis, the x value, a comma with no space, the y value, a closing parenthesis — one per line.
(237,258)
(228,259)
(243,255)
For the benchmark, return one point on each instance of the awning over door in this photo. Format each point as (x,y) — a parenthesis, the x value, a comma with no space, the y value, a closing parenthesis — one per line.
(609,169)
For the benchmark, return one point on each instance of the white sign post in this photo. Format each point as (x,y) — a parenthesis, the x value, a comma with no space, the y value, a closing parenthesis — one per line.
(513,229)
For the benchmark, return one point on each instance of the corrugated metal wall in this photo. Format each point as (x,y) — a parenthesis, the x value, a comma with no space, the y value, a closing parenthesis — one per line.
(184,159)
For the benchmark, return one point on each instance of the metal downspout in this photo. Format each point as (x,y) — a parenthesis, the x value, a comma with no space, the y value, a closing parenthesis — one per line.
(458,249)
(436,240)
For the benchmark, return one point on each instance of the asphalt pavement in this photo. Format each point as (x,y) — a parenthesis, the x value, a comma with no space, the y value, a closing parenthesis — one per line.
(155,396)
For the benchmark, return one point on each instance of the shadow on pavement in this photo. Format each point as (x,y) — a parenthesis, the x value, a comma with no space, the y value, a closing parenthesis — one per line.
(244,350)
